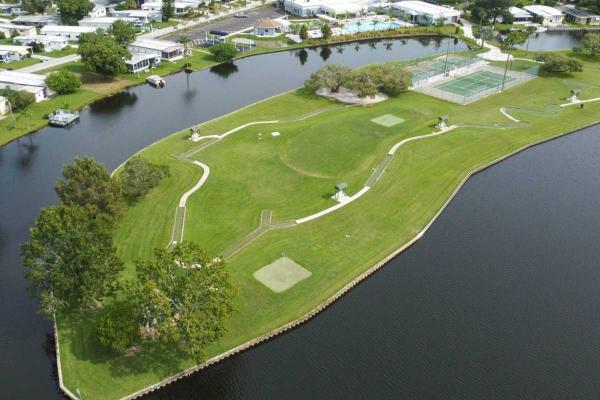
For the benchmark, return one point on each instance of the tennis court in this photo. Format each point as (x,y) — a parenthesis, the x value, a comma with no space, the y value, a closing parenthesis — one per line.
(439,66)
(474,83)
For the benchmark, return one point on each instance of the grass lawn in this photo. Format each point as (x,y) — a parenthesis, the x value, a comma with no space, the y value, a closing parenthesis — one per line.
(293,175)
(20,64)
(67,51)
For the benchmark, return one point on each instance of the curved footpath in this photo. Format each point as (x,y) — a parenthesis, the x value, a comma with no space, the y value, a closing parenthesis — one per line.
(341,292)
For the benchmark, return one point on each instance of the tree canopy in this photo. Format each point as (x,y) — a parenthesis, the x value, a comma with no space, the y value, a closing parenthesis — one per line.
(303,32)
(389,79)
(326,31)
(70,260)
(123,32)
(330,76)
(223,51)
(102,54)
(555,62)
(167,10)
(590,44)
(493,8)
(140,175)
(63,82)
(88,184)
(181,297)
(362,84)
(71,11)
(18,99)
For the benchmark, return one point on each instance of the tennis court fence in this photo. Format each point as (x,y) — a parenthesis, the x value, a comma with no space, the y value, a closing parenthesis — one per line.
(517,77)
(434,70)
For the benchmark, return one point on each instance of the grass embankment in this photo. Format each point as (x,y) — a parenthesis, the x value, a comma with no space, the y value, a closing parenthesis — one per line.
(26,62)
(293,175)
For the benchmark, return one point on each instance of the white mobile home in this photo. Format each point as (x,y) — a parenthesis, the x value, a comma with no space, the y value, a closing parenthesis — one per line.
(31,83)
(103,23)
(582,17)
(548,15)
(309,8)
(9,53)
(165,49)
(519,15)
(50,43)
(152,6)
(140,16)
(142,62)
(7,29)
(37,20)
(71,32)
(419,12)
(98,11)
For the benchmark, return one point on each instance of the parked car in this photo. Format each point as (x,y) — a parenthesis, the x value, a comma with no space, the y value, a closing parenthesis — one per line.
(240,15)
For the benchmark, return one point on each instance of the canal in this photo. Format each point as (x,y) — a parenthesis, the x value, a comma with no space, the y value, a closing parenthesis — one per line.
(499,300)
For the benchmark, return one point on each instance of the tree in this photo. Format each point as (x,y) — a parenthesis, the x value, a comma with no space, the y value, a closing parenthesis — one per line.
(116,327)
(33,6)
(18,99)
(485,33)
(326,31)
(63,82)
(223,51)
(102,54)
(140,175)
(72,11)
(70,260)
(388,79)
(590,44)
(88,184)
(123,32)
(363,85)
(303,32)
(185,41)
(493,8)
(592,5)
(555,62)
(167,10)
(330,76)
(184,297)
(530,30)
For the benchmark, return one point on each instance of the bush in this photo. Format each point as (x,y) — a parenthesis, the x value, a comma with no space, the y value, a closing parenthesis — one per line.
(589,45)
(19,100)
(63,82)
(554,62)
(140,175)
(223,51)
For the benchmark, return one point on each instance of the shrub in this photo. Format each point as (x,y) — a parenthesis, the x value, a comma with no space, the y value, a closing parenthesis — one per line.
(19,100)
(140,175)
(223,51)
(63,82)
(554,62)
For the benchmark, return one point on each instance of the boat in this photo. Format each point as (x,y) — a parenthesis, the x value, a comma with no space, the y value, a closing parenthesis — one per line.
(63,117)
(156,81)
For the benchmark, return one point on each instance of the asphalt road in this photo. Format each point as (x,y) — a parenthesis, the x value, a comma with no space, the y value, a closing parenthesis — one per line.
(230,24)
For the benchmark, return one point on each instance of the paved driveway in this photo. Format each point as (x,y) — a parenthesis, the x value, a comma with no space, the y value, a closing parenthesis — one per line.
(229,24)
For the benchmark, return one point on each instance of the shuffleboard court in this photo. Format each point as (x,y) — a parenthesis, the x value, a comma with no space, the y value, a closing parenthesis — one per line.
(281,274)
(474,83)
(388,120)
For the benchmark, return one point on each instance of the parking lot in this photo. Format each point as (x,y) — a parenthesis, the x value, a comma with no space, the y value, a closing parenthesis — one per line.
(229,24)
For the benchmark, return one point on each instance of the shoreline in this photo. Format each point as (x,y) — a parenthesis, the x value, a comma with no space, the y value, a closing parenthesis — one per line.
(331,300)
(129,84)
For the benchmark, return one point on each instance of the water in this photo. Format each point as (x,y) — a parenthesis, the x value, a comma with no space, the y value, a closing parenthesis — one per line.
(369,26)
(553,40)
(111,130)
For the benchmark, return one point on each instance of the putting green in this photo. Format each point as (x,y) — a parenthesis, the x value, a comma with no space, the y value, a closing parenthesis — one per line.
(388,120)
(281,274)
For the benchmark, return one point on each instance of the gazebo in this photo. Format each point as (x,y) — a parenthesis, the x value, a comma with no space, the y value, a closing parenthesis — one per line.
(267,27)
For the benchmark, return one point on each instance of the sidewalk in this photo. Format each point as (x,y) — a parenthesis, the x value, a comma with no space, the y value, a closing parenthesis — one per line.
(52,62)
(495,54)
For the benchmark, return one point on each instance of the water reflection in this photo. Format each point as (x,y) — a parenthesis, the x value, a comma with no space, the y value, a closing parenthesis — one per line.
(115,103)
(224,70)
(26,152)
(302,56)
(325,53)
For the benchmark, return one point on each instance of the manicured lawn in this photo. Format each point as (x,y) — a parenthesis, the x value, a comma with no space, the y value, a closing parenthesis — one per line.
(20,64)
(61,53)
(293,175)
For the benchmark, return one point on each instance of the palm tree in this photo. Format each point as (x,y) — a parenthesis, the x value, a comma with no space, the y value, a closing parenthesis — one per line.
(482,15)
(529,30)
(185,41)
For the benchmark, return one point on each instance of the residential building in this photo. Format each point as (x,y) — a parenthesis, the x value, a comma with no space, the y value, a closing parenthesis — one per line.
(4,106)
(71,32)
(98,11)
(103,23)
(140,16)
(11,9)
(165,49)
(142,62)
(7,29)
(38,21)
(10,53)
(519,15)
(547,15)
(421,13)
(50,43)
(268,27)
(31,83)
(309,8)
(152,6)
(582,17)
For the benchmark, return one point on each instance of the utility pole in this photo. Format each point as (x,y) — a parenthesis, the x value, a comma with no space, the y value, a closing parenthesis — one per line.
(446,63)
(506,68)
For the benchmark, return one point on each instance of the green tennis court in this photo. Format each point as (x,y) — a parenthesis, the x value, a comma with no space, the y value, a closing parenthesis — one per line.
(427,69)
(474,83)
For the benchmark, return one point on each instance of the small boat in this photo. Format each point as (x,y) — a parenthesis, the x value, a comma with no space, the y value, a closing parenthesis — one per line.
(156,81)
(63,117)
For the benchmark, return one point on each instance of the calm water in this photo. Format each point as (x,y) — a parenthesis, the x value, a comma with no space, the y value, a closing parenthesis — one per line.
(499,300)
(553,40)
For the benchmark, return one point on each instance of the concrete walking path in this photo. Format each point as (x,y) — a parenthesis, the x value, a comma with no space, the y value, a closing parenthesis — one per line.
(51,63)
(495,54)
